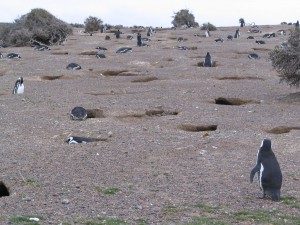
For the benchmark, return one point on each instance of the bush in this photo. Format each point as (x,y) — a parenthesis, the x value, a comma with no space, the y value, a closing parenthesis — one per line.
(36,26)
(208,26)
(184,18)
(92,24)
(286,59)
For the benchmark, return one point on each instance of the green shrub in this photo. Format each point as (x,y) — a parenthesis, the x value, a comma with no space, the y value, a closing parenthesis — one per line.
(286,59)
(184,18)
(208,26)
(92,24)
(37,26)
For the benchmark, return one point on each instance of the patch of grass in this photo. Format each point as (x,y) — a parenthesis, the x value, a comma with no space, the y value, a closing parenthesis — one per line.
(291,201)
(257,216)
(141,222)
(32,183)
(25,219)
(108,191)
(206,208)
(206,221)
(170,210)
(107,221)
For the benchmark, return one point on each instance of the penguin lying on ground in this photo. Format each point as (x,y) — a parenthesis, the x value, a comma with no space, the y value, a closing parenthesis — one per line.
(269,173)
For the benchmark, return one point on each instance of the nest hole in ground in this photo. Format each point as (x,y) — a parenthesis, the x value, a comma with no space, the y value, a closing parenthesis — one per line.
(282,129)
(144,79)
(95,113)
(119,73)
(51,77)
(3,190)
(197,128)
(233,101)
(240,78)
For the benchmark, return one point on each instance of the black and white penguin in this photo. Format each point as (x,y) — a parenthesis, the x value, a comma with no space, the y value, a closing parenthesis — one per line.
(124,50)
(268,170)
(229,37)
(73,66)
(180,39)
(260,42)
(250,37)
(207,61)
(1,56)
(129,37)
(139,39)
(207,33)
(101,48)
(41,48)
(19,86)
(183,48)
(237,33)
(118,33)
(13,56)
(100,56)
(107,38)
(79,140)
(78,113)
(219,40)
(3,190)
(253,56)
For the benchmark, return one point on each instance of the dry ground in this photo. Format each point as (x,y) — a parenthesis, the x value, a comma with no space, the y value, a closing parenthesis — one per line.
(152,100)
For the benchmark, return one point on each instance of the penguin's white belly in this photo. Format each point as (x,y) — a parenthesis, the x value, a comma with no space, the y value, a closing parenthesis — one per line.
(260,175)
(20,89)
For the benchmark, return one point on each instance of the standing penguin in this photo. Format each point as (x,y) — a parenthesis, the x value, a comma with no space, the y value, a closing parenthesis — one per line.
(207,60)
(268,169)
(139,39)
(19,86)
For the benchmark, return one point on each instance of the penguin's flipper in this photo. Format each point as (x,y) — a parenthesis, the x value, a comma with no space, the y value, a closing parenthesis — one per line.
(254,171)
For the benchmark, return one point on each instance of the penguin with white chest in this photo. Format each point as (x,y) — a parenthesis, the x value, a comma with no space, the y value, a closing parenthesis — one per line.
(268,170)
(19,86)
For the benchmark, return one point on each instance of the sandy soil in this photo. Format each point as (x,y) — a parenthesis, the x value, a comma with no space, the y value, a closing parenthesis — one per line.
(152,100)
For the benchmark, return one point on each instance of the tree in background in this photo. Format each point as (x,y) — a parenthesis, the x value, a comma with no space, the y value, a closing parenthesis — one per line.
(92,24)
(208,26)
(242,22)
(184,18)
(286,59)
(37,26)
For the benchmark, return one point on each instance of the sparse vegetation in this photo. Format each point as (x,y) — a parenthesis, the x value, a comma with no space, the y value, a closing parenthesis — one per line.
(92,24)
(208,26)
(184,18)
(37,26)
(108,191)
(286,59)
(25,219)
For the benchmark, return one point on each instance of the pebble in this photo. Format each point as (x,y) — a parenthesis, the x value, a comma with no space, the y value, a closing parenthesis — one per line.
(65,201)
(110,134)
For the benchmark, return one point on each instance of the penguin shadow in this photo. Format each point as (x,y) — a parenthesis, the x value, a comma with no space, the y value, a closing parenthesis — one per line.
(93,53)
(95,113)
(110,73)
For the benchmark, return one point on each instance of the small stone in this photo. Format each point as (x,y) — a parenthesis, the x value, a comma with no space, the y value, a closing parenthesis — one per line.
(65,201)
(34,219)
(110,134)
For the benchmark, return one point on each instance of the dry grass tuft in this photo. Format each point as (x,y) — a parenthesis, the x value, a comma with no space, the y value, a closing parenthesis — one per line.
(144,79)
(282,129)
(119,73)
(262,49)
(197,128)
(59,53)
(160,112)
(232,101)
(88,53)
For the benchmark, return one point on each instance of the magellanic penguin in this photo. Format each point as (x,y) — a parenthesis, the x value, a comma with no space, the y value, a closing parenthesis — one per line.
(207,61)
(268,169)
(79,140)
(19,86)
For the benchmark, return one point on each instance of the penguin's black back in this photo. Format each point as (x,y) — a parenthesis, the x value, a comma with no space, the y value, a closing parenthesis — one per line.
(207,61)
(271,177)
